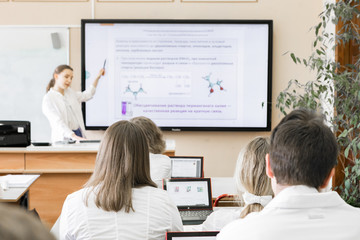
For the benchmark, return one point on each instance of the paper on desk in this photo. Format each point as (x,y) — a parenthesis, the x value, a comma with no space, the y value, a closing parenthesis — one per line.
(20,180)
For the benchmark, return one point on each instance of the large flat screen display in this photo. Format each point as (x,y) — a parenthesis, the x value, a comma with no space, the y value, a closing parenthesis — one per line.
(182,74)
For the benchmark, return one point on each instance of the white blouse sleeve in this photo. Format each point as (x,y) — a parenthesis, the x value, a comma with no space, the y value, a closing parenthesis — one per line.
(176,225)
(220,218)
(160,168)
(86,95)
(64,231)
(55,117)
(210,224)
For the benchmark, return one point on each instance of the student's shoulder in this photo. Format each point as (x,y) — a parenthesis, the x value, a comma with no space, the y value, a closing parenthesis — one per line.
(350,212)
(158,192)
(49,94)
(159,157)
(159,195)
(230,230)
(52,96)
(239,227)
(161,163)
(77,196)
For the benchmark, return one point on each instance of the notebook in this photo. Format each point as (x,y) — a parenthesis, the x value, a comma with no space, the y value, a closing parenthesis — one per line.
(191,235)
(192,196)
(187,167)
(20,180)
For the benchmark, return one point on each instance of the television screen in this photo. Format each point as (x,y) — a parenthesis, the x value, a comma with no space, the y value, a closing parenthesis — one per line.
(182,74)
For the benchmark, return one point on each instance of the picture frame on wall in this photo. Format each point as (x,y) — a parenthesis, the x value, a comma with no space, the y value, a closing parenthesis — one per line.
(49,0)
(137,1)
(221,1)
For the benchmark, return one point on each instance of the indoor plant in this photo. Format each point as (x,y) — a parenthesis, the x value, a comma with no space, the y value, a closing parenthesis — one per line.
(335,91)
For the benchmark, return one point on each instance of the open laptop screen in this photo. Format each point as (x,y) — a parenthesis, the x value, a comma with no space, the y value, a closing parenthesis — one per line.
(191,235)
(186,167)
(190,193)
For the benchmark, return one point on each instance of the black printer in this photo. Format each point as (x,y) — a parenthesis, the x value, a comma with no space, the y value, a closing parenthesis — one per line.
(15,133)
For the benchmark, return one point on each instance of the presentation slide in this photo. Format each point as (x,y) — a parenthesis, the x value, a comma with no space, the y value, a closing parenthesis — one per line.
(179,75)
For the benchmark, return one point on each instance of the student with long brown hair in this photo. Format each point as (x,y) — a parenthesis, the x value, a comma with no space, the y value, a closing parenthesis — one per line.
(62,105)
(160,164)
(120,201)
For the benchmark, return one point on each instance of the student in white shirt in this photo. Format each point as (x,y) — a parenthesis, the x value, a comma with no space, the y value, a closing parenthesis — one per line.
(62,105)
(250,178)
(120,201)
(303,153)
(160,164)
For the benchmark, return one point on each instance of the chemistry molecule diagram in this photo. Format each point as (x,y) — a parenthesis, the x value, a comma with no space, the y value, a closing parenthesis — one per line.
(212,84)
(134,93)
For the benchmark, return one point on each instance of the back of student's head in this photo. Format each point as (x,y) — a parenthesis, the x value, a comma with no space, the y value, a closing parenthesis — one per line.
(122,163)
(17,224)
(250,172)
(153,134)
(303,149)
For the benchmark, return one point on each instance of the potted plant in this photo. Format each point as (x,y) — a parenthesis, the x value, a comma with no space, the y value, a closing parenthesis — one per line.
(335,90)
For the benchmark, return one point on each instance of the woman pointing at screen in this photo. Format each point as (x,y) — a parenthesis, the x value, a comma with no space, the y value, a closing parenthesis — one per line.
(62,105)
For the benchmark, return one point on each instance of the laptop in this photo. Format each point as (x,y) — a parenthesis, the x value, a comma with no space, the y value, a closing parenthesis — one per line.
(192,196)
(187,167)
(191,235)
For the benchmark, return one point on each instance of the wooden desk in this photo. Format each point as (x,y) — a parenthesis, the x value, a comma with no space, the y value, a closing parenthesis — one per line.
(233,201)
(64,169)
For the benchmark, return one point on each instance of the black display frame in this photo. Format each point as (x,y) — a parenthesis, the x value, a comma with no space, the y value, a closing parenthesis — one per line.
(187,21)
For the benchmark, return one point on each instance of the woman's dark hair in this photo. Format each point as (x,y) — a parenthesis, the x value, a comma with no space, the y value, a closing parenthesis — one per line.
(57,70)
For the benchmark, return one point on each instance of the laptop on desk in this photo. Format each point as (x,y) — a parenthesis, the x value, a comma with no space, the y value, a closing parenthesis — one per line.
(192,196)
(187,167)
(191,235)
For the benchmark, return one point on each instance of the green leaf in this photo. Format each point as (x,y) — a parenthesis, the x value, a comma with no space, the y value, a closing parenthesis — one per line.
(346,152)
(343,134)
(317,29)
(292,55)
(347,184)
(319,52)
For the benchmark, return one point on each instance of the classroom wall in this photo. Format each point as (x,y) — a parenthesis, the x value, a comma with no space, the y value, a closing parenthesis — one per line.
(292,21)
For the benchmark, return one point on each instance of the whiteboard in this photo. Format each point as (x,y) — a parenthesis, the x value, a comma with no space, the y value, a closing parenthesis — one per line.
(27,62)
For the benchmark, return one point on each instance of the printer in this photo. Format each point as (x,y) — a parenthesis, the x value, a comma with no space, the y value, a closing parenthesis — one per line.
(14,133)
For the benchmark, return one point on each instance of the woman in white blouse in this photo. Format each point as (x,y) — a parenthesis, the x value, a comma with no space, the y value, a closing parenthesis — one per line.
(120,201)
(62,105)
(160,164)
(250,178)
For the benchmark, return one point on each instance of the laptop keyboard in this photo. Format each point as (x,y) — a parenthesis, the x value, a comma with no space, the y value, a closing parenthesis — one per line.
(195,215)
